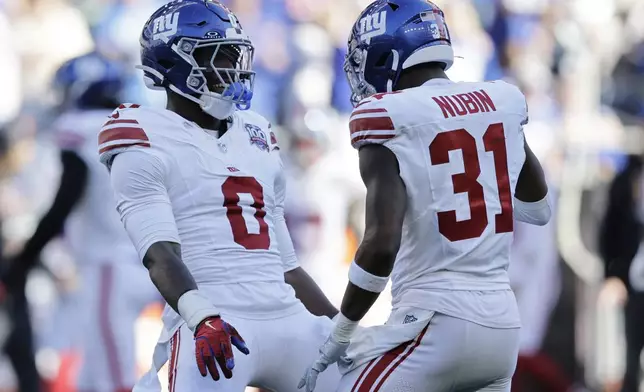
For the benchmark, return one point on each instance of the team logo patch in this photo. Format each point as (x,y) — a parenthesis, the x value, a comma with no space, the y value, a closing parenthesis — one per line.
(410,318)
(257,136)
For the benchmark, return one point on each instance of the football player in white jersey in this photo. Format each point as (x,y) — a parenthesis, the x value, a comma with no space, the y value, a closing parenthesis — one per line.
(200,189)
(446,169)
(114,287)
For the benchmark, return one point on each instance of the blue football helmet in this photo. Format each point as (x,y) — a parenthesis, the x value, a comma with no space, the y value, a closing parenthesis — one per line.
(391,36)
(89,81)
(198,49)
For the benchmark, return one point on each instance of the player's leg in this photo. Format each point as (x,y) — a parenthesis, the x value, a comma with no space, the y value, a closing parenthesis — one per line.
(184,376)
(288,346)
(90,349)
(108,348)
(500,348)
(400,369)
(446,354)
(19,346)
(62,336)
(501,385)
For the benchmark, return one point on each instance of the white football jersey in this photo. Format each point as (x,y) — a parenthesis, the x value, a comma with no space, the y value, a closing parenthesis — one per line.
(93,230)
(221,198)
(460,148)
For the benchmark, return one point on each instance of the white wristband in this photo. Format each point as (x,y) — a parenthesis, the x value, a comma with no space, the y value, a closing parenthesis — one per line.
(366,280)
(344,329)
(194,307)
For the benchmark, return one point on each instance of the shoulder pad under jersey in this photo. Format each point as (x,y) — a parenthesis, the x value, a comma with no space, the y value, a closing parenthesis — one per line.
(249,116)
(371,121)
(516,97)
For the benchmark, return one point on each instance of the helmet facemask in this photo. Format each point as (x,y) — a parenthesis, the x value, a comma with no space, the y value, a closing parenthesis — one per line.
(354,65)
(221,75)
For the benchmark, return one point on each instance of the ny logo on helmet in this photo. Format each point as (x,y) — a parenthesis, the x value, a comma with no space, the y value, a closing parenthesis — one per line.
(234,21)
(236,31)
(373,25)
(165,26)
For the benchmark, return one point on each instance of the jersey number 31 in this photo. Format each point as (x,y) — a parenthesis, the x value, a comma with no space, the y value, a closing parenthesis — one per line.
(467,182)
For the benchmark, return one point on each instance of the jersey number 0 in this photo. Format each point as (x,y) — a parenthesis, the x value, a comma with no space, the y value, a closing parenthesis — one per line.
(467,182)
(232,188)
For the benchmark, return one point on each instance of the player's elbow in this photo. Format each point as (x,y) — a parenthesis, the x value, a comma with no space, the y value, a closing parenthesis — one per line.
(376,261)
(377,257)
(160,254)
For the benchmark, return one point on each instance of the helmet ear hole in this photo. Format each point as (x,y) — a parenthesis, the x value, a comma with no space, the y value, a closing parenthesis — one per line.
(166,64)
(382,60)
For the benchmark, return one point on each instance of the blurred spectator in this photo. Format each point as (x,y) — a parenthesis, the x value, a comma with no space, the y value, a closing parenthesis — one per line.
(620,236)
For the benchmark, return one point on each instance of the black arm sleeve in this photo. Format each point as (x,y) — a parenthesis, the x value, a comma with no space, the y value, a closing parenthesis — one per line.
(70,191)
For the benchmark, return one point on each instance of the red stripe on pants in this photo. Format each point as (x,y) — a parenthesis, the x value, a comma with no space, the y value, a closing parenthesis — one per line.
(364,371)
(174,359)
(380,367)
(402,359)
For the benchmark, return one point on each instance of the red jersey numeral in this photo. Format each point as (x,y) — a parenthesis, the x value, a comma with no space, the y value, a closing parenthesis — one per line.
(231,189)
(494,141)
(467,182)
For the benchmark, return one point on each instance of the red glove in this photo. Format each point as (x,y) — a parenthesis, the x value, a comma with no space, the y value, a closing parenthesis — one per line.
(214,339)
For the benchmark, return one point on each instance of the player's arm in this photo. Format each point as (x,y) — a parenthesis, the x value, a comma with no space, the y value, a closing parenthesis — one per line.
(531,201)
(138,180)
(306,290)
(73,182)
(386,204)
(168,272)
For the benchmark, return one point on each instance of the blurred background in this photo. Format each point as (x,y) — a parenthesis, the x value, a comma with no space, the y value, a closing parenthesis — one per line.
(579,62)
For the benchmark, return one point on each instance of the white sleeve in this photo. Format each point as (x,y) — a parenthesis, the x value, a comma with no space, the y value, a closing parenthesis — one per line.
(536,213)
(284,242)
(137,178)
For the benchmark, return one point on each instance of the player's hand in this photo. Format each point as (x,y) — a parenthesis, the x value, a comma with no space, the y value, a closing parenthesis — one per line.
(214,339)
(330,353)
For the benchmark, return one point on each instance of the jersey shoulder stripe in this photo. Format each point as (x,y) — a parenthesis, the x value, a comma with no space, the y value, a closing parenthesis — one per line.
(121,132)
(118,133)
(371,123)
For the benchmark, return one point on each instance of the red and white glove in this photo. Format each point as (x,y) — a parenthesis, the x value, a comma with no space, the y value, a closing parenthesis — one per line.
(214,339)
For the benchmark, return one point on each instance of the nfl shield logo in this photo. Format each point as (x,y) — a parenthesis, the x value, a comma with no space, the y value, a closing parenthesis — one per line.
(257,137)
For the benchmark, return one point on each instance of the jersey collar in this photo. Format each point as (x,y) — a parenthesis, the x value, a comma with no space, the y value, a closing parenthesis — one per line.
(437,82)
